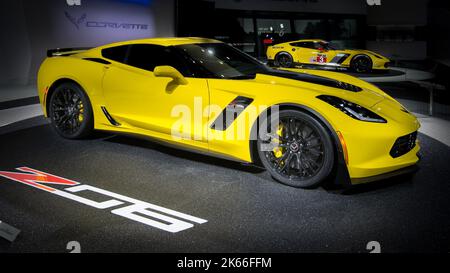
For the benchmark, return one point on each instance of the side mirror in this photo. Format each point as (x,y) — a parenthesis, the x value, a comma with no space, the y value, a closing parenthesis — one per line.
(170,72)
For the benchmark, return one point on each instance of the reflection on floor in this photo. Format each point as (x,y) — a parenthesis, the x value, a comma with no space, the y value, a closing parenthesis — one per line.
(436,128)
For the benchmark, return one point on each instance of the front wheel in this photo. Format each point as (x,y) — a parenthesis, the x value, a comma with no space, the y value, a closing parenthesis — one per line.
(70,111)
(361,64)
(298,151)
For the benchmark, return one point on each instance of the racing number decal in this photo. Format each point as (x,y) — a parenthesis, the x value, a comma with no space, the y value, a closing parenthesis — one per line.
(133,211)
(321,58)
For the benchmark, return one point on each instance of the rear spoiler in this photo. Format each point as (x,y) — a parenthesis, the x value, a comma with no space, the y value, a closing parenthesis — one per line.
(66,51)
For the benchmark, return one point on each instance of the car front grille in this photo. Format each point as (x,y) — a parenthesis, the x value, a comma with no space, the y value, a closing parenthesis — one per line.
(403,145)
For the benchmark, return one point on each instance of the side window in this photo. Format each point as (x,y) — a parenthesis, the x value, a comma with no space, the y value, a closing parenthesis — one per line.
(309,45)
(304,44)
(117,53)
(318,45)
(147,57)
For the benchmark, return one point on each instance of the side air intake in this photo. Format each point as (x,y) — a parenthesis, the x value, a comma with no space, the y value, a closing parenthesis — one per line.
(230,113)
(108,116)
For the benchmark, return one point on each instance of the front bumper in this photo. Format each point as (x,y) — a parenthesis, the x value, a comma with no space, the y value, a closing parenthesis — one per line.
(381,65)
(402,171)
(376,160)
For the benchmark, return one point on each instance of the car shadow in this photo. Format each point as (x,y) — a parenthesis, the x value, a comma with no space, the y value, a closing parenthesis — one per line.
(142,142)
(179,152)
(401,180)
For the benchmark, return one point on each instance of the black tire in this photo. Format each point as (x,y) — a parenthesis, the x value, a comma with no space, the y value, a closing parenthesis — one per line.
(361,64)
(70,111)
(307,150)
(284,59)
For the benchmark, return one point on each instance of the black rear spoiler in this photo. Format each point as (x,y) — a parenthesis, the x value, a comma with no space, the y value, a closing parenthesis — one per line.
(65,51)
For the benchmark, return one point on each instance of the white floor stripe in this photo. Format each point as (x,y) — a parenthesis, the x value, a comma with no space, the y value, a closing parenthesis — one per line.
(16,114)
(436,128)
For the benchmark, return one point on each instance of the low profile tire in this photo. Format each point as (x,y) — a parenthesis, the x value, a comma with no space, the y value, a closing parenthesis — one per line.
(284,59)
(299,153)
(70,111)
(361,64)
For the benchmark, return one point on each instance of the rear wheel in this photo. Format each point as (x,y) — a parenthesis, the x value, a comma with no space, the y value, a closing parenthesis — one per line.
(70,111)
(299,152)
(361,64)
(284,59)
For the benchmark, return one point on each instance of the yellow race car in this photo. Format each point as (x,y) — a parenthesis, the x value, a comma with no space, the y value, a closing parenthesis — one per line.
(320,53)
(201,94)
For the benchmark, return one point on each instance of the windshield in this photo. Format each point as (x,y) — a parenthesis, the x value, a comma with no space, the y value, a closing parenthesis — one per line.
(218,60)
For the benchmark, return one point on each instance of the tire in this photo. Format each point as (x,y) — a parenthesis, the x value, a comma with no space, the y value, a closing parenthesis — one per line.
(304,157)
(284,59)
(361,64)
(70,111)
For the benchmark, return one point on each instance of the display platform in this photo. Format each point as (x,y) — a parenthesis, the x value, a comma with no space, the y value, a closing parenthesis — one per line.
(225,206)
(377,74)
(394,74)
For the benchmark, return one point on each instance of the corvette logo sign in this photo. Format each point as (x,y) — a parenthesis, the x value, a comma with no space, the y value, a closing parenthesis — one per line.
(136,210)
(82,21)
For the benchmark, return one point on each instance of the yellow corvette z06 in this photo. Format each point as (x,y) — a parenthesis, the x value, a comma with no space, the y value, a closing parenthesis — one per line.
(320,53)
(304,127)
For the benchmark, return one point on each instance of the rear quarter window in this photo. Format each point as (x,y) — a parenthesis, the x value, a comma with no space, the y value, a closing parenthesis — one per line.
(116,53)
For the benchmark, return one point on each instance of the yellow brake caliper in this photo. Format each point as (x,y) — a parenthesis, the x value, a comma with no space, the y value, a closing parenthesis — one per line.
(278,151)
(81,113)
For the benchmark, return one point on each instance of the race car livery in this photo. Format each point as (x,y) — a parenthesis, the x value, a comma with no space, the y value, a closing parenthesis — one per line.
(321,53)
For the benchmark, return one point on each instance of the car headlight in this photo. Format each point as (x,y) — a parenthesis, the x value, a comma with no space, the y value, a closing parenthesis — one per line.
(352,109)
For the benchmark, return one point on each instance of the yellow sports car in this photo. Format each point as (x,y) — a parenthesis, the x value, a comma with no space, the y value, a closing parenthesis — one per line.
(321,53)
(204,95)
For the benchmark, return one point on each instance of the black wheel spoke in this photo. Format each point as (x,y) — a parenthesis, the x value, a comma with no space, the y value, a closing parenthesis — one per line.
(312,138)
(299,161)
(307,137)
(292,128)
(315,152)
(61,120)
(307,166)
(286,162)
(314,145)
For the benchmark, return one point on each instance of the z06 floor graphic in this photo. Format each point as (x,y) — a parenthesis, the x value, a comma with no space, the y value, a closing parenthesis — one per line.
(39,180)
